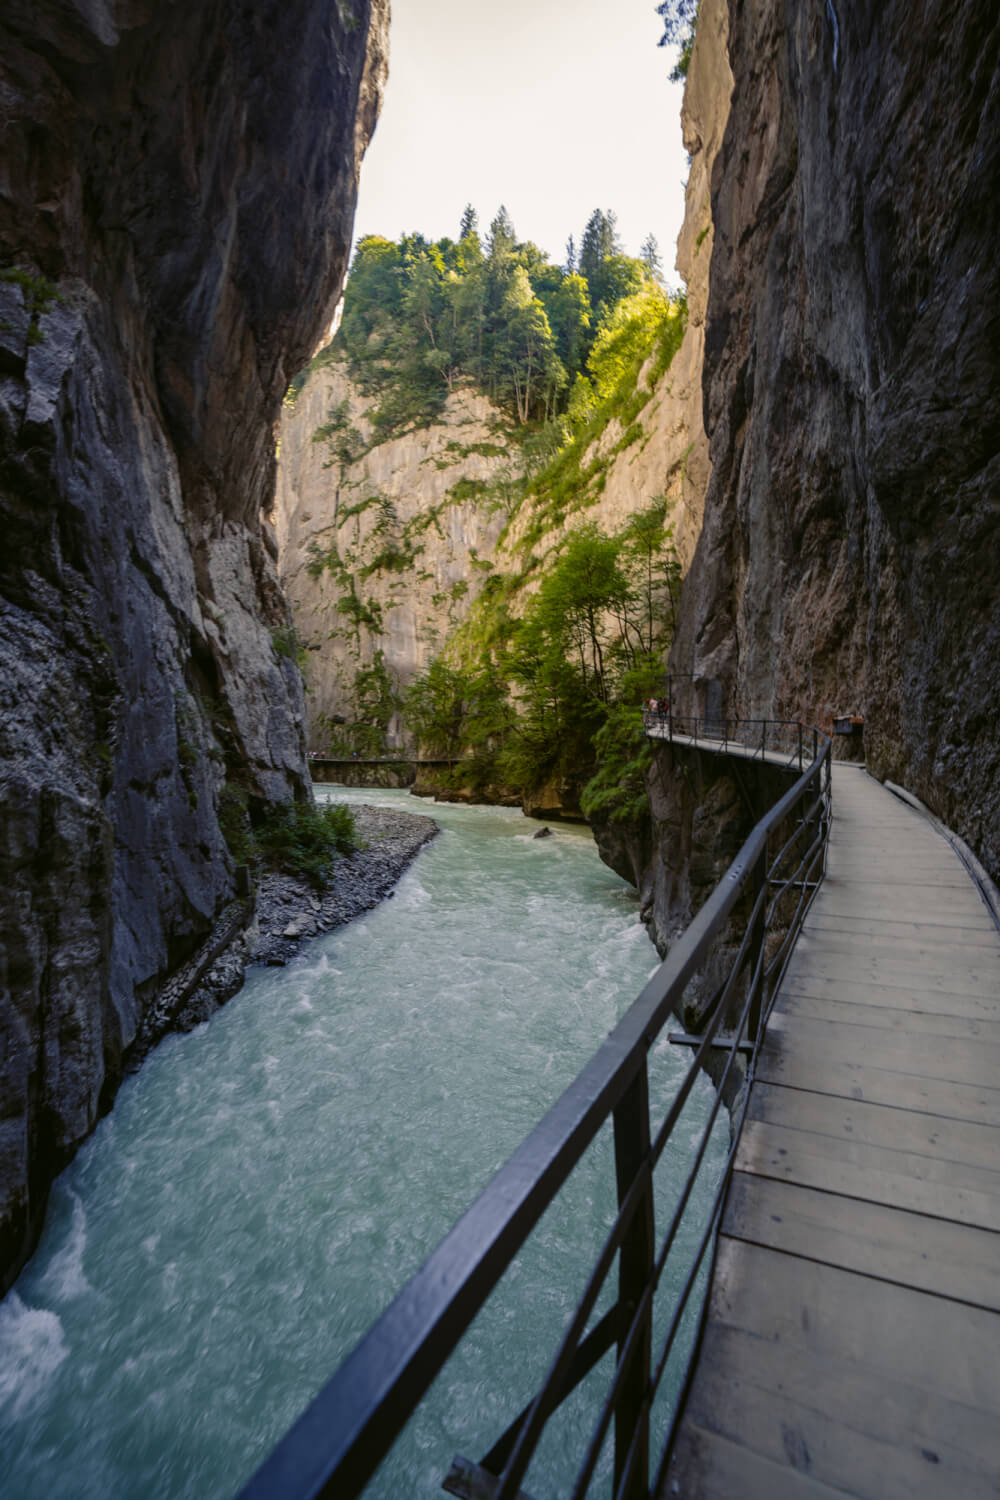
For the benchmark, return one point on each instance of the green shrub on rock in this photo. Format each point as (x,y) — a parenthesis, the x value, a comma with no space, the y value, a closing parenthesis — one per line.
(303,838)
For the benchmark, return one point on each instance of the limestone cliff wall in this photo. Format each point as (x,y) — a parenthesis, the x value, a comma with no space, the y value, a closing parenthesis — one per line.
(176,195)
(411,532)
(850,555)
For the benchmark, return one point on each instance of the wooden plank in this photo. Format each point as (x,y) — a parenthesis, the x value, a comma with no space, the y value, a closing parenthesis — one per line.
(892,906)
(874,1125)
(854,820)
(870,865)
(960,1059)
(903,998)
(865,816)
(857,907)
(940,949)
(859,827)
(953,1260)
(907,875)
(886,890)
(843,1424)
(904,942)
(972,971)
(875,1174)
(851,1080)
(856,971)
(705,1466)
(903,1020)
(942,1347)
(933,900)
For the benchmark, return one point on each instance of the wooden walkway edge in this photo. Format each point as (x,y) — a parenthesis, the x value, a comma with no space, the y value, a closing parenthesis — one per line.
(852,1343)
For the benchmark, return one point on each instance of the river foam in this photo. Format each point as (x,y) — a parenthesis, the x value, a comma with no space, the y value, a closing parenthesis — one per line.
(32,1347)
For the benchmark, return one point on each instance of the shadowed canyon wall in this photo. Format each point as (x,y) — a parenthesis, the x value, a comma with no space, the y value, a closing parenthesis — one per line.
(177,189)
(850,554)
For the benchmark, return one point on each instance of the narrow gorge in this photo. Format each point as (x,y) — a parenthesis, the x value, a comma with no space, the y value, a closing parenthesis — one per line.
(480,508)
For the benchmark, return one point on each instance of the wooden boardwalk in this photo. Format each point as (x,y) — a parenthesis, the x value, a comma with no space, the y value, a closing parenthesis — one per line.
(853,1339)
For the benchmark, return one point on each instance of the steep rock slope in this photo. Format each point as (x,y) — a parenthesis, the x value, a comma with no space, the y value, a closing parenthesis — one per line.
(850,555)
(176,199)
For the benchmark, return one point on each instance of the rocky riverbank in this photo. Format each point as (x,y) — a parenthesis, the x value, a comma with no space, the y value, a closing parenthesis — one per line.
(283,914)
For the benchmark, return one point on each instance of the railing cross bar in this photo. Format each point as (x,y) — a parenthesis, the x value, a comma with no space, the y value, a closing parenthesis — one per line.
(685,1039)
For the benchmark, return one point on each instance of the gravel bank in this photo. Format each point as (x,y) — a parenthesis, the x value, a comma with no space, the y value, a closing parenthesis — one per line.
(287,913)
(289,910)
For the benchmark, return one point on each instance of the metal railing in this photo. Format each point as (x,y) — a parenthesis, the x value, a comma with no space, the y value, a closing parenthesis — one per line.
(778,741)
(756,909)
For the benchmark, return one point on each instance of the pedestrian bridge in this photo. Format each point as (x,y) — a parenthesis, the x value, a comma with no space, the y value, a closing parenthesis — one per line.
(852,1328)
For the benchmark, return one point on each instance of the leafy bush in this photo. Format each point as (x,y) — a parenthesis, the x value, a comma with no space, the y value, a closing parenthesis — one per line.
(285,641)
(39,293)
(617,790)
(303,838)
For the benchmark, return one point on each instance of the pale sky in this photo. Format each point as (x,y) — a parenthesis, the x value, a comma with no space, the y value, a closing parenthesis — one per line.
(553,107)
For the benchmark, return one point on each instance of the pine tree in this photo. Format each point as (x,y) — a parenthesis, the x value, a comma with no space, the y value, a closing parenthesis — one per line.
(680,20)
(600,242)
(609,274)
(592,250)
(470,223)
(570,256)
(679,17)
(501,238)
(650,257)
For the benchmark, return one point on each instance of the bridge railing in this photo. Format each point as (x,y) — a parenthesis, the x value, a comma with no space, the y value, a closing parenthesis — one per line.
(754,914)
(793,744)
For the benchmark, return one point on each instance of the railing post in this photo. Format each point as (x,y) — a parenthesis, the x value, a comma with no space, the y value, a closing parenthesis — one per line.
(635,1270)
(758,886)
(800,749)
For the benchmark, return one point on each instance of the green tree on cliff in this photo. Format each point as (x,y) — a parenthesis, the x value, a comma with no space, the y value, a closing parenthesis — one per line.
(421,317)
(680,19)
(470,224)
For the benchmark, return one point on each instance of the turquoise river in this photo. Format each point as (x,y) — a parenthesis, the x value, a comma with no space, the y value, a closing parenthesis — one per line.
(265,1184)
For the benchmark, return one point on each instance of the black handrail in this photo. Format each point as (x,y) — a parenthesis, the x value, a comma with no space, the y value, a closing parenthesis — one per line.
(778,741)
(338,1442)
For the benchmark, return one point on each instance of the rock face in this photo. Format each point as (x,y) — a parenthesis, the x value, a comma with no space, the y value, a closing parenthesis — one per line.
(400,530)
(850,555)
(176,200)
